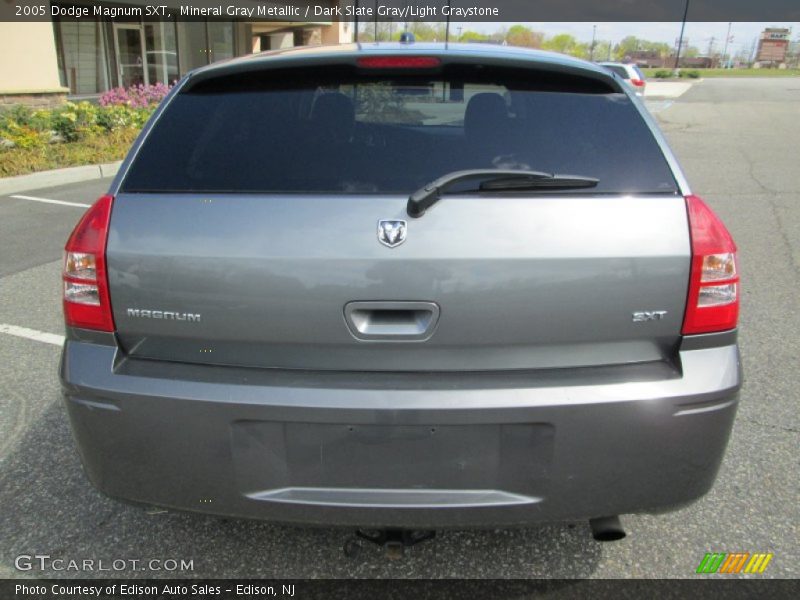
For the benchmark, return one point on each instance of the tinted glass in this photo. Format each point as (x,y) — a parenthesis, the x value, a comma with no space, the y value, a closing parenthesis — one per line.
(380,135)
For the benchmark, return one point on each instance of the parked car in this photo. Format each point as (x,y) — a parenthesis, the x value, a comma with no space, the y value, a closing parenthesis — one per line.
(304,300)
(631,73)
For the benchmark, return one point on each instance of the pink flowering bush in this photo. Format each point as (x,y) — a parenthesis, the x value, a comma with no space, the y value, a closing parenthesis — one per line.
(137,96)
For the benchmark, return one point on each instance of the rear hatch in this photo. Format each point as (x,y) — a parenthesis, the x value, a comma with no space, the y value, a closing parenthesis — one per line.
(260,224)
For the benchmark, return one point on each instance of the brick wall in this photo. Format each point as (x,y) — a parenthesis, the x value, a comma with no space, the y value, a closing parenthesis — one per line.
(37,100)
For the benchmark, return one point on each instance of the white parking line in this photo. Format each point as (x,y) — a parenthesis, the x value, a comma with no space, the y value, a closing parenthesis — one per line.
(656,106)
(32,334)
(49,201)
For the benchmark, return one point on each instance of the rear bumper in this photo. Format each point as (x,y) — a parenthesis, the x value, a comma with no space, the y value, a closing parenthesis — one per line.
(418,451)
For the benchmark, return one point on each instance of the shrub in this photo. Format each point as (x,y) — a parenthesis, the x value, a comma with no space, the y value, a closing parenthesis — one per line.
(662,74)
(114,117)
(23,136)
(690,74)
(106,147)
(75,121)
(90,133)
(137,96)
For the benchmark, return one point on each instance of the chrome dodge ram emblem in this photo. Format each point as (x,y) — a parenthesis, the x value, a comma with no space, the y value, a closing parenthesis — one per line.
(391,233)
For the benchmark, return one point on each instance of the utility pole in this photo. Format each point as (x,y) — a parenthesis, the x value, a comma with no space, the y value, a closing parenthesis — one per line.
(447,27)
(610,43)
(680,39)
(711,46)
(591,48)
(725,51)
(355,24)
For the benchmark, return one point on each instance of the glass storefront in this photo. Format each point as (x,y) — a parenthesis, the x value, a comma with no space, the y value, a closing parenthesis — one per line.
(96,56)
(146,53)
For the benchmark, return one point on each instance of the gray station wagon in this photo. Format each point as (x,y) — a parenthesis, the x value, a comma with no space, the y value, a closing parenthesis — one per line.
(402,286)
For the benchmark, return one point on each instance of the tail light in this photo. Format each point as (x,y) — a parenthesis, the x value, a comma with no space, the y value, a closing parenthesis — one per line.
(638,82)
(86,300)
(713,302)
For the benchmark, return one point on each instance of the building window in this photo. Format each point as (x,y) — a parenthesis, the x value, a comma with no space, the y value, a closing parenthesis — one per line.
(161,51)
(83,56)
(202,43)
(220,40)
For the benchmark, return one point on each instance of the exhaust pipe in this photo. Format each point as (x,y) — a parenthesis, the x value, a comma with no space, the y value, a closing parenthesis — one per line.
(607,529)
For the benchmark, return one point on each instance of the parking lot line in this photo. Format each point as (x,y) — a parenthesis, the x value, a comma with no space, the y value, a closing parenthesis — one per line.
(49,201)
(32,334)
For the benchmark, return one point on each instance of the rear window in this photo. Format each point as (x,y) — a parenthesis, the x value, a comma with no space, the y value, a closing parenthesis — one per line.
(340,132)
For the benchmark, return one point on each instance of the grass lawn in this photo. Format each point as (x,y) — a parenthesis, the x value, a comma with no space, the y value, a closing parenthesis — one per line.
(650,73)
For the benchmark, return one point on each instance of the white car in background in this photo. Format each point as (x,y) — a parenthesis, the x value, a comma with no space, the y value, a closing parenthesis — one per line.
(632,75)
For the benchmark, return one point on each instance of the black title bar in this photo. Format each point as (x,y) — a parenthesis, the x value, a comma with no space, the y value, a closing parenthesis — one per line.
(407,10)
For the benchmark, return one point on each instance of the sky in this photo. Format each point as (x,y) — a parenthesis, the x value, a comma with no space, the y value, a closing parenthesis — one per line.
(698,34)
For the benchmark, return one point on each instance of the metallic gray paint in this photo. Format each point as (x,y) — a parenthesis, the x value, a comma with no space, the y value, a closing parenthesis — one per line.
(521,282)
(638,422)
(589,442)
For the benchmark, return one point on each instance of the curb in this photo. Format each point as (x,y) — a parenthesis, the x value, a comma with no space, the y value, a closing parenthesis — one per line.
(43,179)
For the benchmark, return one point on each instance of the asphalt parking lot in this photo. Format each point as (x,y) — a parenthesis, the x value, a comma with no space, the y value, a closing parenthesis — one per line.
(738,142)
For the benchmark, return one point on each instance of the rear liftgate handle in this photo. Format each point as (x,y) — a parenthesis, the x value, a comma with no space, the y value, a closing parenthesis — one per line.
(391,321)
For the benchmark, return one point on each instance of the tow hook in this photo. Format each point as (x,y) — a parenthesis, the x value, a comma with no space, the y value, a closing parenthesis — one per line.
(394,541)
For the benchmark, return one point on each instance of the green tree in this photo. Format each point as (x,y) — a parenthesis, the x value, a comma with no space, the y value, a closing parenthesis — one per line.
(563,42)
(627,45)
(473,36)
(566,44)
(519,35)
(691,52)
(631,44)
(602,50)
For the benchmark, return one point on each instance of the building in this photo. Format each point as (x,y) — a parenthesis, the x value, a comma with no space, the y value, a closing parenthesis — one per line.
(773,46)
(645,58)
(43,63)
(653,59)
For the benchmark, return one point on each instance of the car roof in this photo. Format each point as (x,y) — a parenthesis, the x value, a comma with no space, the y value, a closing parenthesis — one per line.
(348,53)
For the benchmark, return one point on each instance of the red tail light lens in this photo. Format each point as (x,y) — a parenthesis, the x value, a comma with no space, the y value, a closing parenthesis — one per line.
(713,302)
(638,82)
(398,62)
(86,299)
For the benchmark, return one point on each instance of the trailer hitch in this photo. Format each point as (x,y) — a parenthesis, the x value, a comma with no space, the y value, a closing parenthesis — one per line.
(394,541)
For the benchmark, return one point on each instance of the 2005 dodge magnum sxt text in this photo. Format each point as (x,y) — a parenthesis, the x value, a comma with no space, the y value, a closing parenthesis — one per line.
(402,286)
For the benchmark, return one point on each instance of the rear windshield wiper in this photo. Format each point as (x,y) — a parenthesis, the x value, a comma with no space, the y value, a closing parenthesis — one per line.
(495,180)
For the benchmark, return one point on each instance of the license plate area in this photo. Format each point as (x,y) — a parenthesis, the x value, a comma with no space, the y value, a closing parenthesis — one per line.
(510,457)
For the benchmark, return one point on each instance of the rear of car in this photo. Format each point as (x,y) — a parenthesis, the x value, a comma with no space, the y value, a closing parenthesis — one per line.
(258,325)
(631,73)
